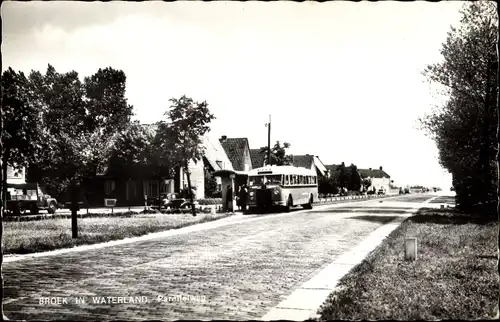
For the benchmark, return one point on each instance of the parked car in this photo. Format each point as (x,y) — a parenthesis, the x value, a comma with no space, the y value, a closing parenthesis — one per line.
(381,191)
(29,196)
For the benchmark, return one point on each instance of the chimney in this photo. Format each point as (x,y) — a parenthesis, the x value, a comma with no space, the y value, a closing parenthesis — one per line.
(370,169)
(380,167)
(223,138)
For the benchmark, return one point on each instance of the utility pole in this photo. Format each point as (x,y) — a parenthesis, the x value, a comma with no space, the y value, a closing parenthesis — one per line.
(269,141)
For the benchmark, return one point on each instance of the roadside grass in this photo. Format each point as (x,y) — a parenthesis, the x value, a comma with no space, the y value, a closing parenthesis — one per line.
(44,235)
(455,275)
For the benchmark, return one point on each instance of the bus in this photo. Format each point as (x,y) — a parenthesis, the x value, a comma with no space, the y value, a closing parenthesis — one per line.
(284,186)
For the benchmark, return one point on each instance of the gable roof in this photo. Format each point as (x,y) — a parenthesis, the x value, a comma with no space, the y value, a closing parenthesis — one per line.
(373,173)
(303,161)
(332,168)
(215,155)
(319,164)
(258,158)
(235,150)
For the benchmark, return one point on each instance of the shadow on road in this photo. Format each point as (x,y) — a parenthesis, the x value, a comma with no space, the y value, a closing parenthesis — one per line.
(377,219)
(384,207)
(362,211)
(271,212)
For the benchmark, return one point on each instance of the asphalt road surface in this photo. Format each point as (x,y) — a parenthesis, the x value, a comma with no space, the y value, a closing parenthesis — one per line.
(239,270)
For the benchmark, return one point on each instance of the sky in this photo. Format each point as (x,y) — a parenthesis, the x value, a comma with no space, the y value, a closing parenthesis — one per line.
(341,80)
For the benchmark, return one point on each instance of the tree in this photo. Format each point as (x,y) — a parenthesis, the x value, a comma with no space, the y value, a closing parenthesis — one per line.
(210,184)
(354,183)
(21,129)
(278,154)
(327,185)
(179,138)
(366,182)
(81,122)
(464,128)
(342,176)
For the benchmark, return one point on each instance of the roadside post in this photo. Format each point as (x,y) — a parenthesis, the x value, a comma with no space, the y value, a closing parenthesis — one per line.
(411,248)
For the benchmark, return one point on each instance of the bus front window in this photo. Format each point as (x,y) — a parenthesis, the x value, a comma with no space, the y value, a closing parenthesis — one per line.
(274,179)
(256,180)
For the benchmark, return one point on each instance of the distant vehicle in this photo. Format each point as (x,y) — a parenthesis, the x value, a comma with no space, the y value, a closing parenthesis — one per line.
(284,186)
(29,196)
(407,190)
(381,191)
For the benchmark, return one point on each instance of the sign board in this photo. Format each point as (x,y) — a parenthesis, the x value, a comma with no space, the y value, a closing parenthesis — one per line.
(110,202)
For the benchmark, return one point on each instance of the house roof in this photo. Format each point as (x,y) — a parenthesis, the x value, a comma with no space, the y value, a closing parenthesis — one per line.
(235,150)
(303,161)
(215,155)
(307,161)
(258,158)
(373,173)
(332,168)
(319,164)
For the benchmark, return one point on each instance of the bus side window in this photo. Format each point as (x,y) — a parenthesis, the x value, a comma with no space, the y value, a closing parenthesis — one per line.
(287,179)
(282,179)
(294,179)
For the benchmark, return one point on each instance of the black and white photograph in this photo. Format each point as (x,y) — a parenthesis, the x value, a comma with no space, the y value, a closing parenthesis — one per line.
(249,160)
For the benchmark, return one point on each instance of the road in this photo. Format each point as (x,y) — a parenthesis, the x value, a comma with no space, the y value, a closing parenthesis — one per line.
(238,270)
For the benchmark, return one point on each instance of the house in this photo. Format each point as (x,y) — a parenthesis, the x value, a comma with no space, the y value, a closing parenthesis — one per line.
(238,152)
(258,158)
(16,176)
(310,162)
(379,178)
(215,159)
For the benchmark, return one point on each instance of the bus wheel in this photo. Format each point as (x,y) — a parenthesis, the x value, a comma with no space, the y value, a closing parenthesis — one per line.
(289,204)
(309,205)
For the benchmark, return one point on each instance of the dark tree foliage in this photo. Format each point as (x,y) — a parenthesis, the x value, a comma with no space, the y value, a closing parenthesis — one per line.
(464,129)
(278,154)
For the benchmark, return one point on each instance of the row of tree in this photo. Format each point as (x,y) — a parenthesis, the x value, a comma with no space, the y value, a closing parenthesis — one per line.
(67,131)
(464,129)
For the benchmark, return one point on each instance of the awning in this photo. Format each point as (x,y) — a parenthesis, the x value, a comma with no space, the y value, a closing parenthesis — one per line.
(227,173)
(223,173)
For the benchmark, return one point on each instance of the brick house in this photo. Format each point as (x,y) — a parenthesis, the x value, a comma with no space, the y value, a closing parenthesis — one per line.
(147,181)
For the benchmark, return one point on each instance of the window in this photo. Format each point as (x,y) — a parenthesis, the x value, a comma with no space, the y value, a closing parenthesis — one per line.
(109,186)
(287,180)
(219,163)
(131,190)
(151,188)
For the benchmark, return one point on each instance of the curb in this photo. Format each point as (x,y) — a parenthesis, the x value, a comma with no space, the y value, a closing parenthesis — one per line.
(305,301)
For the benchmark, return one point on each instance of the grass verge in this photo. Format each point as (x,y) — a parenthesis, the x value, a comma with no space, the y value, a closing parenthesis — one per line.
(37,236)
(455,276)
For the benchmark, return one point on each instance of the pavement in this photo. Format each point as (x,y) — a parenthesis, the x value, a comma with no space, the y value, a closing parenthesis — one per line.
(244,267)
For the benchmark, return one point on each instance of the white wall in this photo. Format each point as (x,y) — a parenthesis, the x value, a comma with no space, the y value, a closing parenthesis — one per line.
(197,178)
(16,176)
(380,183)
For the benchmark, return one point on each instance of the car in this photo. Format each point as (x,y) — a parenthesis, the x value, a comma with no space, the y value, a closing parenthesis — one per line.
(29,196)
(381,191)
